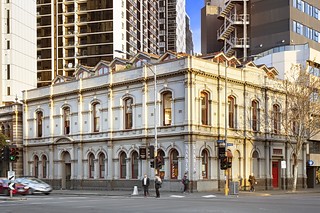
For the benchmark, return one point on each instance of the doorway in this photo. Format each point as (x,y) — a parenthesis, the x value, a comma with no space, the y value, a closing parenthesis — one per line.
(275,174)
(66,171)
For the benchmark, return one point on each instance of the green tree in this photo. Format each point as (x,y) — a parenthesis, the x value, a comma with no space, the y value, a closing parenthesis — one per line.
(3,139)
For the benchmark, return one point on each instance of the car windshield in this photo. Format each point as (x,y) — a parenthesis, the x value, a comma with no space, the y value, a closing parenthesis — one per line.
(35,180)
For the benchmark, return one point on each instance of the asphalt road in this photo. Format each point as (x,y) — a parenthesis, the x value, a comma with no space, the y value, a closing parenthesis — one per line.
(178,203)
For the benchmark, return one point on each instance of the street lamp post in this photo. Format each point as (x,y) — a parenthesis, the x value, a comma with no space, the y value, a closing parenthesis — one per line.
(154,72)
(226,188)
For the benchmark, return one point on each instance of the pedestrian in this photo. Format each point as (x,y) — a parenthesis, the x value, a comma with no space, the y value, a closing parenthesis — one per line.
(145,185)
(185,182)
(157,185)
(252,181)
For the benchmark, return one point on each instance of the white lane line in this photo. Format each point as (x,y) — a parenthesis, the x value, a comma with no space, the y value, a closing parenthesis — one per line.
(177,196)
(209,196)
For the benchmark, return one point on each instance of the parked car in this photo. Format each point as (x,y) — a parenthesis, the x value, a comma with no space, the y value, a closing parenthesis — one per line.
(35,185)
(19,188)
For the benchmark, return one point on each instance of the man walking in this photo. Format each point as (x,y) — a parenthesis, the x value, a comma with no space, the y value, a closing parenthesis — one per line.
(185,182)
(145,185)
(157,185)
(252,181)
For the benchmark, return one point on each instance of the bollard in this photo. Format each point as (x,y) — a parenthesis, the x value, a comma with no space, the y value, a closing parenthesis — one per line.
(135,190)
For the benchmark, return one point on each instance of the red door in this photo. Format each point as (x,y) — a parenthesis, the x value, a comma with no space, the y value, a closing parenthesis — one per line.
(275,174)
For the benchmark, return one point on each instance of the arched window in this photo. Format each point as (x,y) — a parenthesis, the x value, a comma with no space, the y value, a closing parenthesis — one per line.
(161,171)
(66,120)
(205,163)
(167,112)
(134,165)
(123,167)
(36,166)
(44,166)
(232,110)
(91,165)
(174,166)
(39,123)
(255,115)
(276,119)
(255,163)
(128,113)
(3,130)
(204,108)
(8,131)
(102,70)
(102,160)
(96,117)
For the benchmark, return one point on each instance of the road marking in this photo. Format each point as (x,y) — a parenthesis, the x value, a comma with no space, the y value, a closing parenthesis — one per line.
(209,196)
(177,196)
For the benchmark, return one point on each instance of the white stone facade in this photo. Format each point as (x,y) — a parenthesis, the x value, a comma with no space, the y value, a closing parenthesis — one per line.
(99,146)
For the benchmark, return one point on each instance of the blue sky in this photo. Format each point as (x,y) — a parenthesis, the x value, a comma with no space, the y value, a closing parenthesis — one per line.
(194,11)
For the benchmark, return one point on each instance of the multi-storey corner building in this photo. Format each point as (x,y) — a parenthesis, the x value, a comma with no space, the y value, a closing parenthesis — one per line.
(89,132)
(246,28)
(18,49)
(72,33)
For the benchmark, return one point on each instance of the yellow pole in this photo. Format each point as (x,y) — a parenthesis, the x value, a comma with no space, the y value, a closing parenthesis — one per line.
(226,188)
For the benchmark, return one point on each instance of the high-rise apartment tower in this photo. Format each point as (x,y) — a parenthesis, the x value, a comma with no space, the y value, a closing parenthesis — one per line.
(248,27)
(18,49)
(74,32)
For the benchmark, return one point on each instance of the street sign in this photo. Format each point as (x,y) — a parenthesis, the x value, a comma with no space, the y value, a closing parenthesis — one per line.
(11,175)
(283,164)
(221,141)
(11,186)
(229,144)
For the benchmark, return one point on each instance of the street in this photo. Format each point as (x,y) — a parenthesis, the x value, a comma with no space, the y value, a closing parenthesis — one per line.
(290,203)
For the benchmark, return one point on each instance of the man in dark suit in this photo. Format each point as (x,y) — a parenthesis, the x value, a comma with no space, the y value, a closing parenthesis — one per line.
(145,185)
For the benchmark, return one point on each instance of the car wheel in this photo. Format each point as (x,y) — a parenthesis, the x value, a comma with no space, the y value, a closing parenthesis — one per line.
(47,193)
(6,192)
(31,191)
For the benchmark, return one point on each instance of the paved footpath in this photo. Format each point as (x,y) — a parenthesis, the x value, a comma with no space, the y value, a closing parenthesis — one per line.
(193,194)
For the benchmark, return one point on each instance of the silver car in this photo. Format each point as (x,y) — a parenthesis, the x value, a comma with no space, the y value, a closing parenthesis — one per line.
(35,185)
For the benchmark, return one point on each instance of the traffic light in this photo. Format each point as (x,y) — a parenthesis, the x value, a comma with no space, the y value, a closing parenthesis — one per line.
(159,162)
(229,163)
(222,152)
(151,152)
(4,153)
(223,163)
(152,163)
(13,153)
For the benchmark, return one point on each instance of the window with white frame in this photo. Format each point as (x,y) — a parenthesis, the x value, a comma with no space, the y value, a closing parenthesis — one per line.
(66,120)
(255,115)
(91,165)
(167,112)
(39,121)
(96,117)
(128,113)
(276,118)
(204,108)
(232,112)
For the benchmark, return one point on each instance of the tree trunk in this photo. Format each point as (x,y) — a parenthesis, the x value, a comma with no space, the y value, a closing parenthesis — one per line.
(295,177)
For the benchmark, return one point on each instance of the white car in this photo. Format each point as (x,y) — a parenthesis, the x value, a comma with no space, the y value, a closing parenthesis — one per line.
(35,185)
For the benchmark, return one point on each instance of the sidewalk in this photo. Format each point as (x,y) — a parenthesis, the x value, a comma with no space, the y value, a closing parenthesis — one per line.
(192,194)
